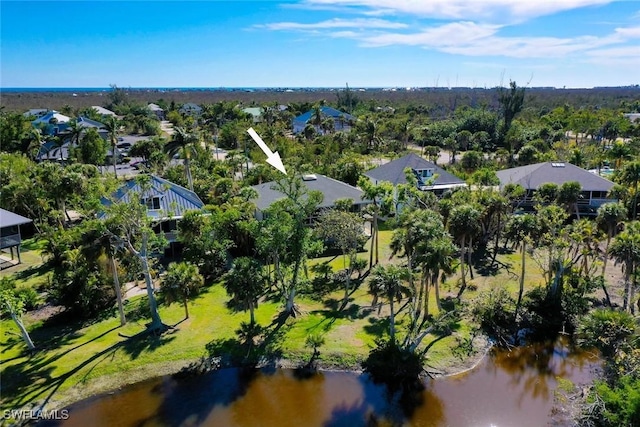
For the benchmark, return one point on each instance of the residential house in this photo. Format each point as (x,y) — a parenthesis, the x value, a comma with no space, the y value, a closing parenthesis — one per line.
(429,176)
(633,117)
(595,189)
(36,112)
(51,123)
(103,111)
(10,236)
(254,112)
(166,203)
(191,109)
(331,189)
(341,121)
(155,109)
(49,151)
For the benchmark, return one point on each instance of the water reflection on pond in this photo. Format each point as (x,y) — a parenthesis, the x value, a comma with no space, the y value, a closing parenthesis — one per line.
(507,389)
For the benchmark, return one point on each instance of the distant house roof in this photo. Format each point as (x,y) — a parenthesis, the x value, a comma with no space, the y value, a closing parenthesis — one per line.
(103,111)
(174,200)
(254,111)
(531,177)
(61,118)
(154,107)
(48,152)
(9,219)
(393,172)
(88,123)
(190,107)
(327,111)
(634,117)
(331,189)
(36,112)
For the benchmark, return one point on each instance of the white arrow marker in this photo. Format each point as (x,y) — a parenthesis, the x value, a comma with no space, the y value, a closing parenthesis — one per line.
(272,158)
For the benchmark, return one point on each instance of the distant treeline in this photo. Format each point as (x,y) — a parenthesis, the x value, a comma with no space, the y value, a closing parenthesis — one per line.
(438,101)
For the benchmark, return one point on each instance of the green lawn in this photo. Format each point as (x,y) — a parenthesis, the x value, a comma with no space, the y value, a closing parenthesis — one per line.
(77,360)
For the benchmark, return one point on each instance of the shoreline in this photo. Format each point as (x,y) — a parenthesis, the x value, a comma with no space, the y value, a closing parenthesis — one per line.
(112,384)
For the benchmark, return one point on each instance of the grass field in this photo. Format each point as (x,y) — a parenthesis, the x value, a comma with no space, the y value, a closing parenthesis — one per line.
(77,360)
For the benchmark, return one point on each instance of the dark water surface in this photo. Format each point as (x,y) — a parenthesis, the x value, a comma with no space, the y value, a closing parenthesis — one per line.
(506,389)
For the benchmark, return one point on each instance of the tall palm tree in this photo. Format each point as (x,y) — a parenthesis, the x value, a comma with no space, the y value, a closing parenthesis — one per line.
(74,132)
(522,228)
(245,283)
(610,215)
(464,225)
(436,256)
(112,125)
(185,143)
(35,142)
(388,282)
(56,143)
(375,193)
(631,176)
(626,251)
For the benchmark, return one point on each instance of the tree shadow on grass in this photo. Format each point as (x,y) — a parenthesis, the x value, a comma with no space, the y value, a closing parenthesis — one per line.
(351,311)
(377,327)
(39,270)
(32,380)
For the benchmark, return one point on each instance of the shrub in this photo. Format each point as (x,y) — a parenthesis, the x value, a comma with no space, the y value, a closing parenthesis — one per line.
(392,365)
(29,297)
(493,311)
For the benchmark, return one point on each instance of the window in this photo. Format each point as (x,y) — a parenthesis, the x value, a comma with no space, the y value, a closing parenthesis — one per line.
(424,173)
(152,203)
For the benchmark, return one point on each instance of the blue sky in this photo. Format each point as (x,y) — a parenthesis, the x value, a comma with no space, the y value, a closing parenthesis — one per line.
(366,43)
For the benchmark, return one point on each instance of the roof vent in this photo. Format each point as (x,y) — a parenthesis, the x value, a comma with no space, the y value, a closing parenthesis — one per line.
(309,177)
(557,165)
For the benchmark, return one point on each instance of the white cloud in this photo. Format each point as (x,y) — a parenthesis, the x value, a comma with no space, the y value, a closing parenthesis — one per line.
(468,37)
(455,33)
(462,9)
(337,23)
(622,55)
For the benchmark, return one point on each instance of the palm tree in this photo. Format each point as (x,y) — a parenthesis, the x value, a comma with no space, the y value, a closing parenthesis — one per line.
(522,228)
(631,176)
(56,143)
(388,282)
(74,131)
(317,117)
(35,142)
(185,143)
(112,125)
(626,251)
(464,225)
(619,152)
(245,283)
(182,280)
(610,215)
(569,195)
(374,193)
(436,255)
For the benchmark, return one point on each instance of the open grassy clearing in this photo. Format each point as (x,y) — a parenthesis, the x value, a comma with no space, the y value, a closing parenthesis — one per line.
(75,360)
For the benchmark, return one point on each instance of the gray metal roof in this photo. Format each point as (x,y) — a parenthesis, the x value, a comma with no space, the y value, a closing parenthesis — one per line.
(532,176)
(174,199)
(393,171)
(9,219)
(331,189)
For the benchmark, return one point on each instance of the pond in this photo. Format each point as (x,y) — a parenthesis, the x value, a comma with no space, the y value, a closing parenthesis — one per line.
(506,389)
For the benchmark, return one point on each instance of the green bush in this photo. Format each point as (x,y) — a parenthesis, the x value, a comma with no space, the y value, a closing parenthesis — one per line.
(30,298)
(392,365)
(620,404)
(493,311)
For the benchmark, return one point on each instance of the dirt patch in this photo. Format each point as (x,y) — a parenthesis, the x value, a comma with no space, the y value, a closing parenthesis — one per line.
(45,312)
